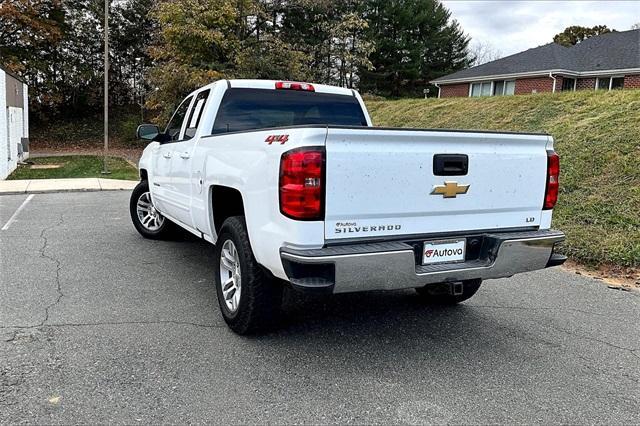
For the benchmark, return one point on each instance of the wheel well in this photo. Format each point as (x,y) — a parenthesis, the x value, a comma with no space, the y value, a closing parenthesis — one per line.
(227,202)
(143,175)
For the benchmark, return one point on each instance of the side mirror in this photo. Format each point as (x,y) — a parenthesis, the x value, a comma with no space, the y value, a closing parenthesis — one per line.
(147,132)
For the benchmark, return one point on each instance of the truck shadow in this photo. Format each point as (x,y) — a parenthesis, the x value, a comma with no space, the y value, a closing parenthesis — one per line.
(384,324)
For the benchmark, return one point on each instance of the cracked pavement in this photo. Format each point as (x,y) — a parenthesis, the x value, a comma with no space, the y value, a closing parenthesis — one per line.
(98,325)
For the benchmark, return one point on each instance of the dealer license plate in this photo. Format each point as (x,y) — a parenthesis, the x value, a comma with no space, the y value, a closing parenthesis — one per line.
(443,251)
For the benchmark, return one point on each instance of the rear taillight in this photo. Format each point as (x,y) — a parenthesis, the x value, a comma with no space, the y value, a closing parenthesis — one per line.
(553,174)
(302,184)
(292,85)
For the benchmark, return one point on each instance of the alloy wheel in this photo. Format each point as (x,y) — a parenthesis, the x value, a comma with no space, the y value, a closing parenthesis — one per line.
(230,275)
(149,217)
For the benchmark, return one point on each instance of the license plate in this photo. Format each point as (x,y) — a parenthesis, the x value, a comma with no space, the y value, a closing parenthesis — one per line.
(444,251)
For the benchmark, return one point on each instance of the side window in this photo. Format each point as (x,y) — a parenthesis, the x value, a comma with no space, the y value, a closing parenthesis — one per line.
(196,114)
(175,124)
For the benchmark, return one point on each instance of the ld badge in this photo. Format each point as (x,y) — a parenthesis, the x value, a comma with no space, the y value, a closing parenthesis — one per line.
(450,189)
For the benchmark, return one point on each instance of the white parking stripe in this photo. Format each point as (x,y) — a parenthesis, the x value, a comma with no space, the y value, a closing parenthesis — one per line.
(15,215)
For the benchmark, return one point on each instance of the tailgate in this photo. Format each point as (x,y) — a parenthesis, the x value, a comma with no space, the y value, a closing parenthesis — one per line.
(382,182)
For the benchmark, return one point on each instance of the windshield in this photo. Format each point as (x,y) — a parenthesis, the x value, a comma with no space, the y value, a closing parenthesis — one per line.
(250,109)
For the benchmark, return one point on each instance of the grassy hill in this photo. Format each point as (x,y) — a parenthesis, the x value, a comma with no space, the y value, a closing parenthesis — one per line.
(597,135)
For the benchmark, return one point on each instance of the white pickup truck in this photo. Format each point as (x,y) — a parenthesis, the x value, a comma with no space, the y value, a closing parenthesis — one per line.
(295,187)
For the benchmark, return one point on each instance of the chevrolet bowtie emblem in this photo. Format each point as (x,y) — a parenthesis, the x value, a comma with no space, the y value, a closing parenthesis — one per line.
(450,189)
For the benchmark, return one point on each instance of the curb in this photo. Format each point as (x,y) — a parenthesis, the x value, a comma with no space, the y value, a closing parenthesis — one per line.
(43,186)
(59,191)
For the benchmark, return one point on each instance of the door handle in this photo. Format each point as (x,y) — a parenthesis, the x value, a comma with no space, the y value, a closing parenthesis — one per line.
(185,155)
(166,154)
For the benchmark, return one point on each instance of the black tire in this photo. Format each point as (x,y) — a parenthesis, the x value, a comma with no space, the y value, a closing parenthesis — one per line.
(260,300)
(165,231)
(442,293)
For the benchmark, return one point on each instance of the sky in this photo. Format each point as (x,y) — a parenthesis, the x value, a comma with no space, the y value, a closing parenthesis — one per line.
(511,26)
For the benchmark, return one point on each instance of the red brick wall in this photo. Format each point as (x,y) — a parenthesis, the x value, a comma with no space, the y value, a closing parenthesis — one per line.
(586,83)
(632,81)
(539,84)
(454,90)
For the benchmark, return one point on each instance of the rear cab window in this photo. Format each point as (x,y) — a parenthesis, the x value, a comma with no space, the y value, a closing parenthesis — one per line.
(245,109)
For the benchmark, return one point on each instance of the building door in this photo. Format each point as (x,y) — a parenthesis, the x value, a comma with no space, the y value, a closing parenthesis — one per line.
(16,128)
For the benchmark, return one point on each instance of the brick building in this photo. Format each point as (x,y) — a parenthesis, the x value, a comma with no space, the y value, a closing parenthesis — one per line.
(606,62)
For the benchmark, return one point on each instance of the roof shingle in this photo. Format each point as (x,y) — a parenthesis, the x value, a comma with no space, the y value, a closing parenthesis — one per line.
(611,51)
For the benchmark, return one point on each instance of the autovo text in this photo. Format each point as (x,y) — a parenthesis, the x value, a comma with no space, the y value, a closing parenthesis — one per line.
(352,227)
(434,253)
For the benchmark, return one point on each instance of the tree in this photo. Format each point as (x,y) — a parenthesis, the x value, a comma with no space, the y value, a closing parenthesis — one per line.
(30,33)
(576,34)
(131,25)
(200,41)
(27,27)
(56,45)
(334,36)
(415,41)
(636,26)
(483,52)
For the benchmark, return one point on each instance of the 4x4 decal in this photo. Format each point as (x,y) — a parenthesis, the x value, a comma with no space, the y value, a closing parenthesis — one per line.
(277,138)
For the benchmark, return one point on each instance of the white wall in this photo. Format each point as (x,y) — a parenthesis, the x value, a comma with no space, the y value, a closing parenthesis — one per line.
(4,137)
(14,124)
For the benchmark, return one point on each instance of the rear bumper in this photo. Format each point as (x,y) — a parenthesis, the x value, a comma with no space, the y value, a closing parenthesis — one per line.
(395,265)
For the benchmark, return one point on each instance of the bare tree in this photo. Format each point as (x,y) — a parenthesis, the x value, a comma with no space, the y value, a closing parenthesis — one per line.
(483,52)
(636,26)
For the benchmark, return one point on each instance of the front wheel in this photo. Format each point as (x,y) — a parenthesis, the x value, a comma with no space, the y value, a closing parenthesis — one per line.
(146,219)
(449,293)
(250,301)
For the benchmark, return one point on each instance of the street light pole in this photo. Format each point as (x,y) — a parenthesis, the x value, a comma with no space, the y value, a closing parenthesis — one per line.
(106,87)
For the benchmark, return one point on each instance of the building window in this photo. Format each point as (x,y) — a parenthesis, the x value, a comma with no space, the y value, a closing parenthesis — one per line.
(498,88)
(568,84)
(617,83)
(510,87)
(610,83)
(493,88)
(481,89)
(603,83)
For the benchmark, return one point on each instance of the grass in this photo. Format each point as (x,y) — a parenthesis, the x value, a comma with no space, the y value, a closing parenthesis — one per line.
(76,166)
(597,135)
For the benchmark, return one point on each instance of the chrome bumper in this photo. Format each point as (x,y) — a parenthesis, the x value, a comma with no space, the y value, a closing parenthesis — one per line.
(395,265)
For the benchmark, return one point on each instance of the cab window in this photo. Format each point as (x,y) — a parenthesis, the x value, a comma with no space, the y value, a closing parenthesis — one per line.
(250,109)
(175,124)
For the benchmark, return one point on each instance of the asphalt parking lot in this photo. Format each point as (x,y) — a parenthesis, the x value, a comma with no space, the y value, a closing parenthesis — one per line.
(98,325)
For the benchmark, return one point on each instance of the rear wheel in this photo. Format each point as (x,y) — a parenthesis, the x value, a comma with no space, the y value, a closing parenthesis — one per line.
(449,293)
(250,301)
(146,219)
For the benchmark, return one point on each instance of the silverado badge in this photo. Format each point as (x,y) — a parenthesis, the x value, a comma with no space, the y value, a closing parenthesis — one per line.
(450,189)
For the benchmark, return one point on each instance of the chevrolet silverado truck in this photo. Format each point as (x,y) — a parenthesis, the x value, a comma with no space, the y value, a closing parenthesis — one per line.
(295,187)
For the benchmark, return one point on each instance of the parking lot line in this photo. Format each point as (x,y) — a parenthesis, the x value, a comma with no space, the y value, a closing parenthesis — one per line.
(15,215)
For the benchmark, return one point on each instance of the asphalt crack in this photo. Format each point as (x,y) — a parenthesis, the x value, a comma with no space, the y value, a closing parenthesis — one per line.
(58,263)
